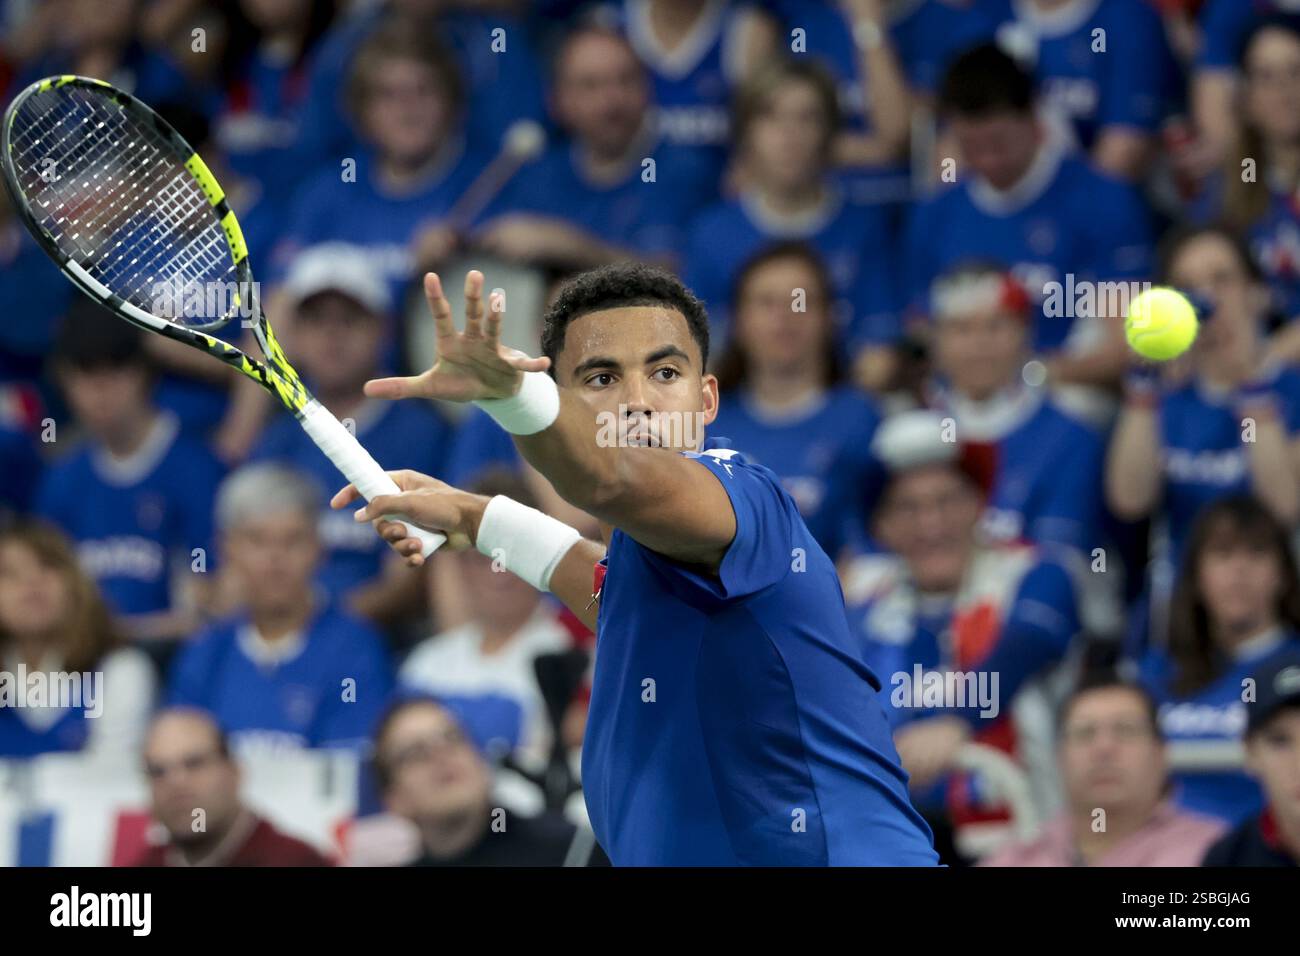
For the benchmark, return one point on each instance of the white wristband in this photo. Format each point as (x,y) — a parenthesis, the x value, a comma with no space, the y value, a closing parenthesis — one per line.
(530,544)
(534,407)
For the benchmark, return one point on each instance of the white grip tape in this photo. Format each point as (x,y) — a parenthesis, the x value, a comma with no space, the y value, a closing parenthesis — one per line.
(342,448)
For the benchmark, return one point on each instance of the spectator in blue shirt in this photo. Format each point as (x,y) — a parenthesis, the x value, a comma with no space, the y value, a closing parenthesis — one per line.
(1223,420)
(784,402)
(339,313)
(136,494)
(787,116)
(291,669)
(1022,199)
(616,188)
(1236,608)
(1255,189)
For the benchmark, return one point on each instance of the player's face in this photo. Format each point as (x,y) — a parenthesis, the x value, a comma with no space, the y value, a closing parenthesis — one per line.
(104,400)
(771,331)
(928,519)
(1273,757)
(436,772)
(639,370)
(786,142)
(187,772)
(1273,84)
(406,111)
(1239,583)
(34,597)
(274,558)
(336,342)
(980,352)
(1109,756)
(997,148)
(601,93)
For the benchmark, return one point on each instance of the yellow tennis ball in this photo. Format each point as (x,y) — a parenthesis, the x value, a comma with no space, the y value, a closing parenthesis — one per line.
(1161,324)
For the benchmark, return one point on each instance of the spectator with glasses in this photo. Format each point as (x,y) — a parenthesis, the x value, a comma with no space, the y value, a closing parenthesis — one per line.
(435,779)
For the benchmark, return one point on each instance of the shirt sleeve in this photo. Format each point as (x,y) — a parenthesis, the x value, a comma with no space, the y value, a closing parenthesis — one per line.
(761,553)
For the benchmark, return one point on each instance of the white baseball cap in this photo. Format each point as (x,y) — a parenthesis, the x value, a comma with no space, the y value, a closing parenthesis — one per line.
(337,267)
(911,439)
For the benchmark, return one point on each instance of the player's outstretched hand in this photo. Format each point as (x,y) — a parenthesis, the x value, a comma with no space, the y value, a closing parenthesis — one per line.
(428,502)
(472,364)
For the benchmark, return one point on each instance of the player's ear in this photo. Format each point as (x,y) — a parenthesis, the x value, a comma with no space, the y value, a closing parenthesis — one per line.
(709,394)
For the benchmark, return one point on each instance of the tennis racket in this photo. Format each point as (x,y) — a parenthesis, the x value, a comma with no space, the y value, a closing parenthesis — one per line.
(135,219)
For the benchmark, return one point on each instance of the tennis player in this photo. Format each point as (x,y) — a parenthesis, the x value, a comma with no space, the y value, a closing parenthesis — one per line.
(732,719)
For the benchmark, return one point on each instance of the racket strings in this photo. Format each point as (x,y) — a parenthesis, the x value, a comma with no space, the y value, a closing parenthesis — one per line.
(114,195)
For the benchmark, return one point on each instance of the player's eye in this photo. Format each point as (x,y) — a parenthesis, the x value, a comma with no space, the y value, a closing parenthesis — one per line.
(667,373)
(601,379)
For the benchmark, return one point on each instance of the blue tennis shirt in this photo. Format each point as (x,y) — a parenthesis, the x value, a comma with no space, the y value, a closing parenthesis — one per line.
(733,720)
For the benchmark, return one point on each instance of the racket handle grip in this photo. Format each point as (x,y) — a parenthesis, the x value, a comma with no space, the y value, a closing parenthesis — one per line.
(342,448)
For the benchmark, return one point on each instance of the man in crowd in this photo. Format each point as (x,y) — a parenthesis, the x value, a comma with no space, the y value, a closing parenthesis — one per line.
(431,775)
(1116,779)
(190,769)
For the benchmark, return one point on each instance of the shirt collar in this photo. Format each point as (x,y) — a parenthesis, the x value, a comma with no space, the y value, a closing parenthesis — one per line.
(135,467)
(1005,202)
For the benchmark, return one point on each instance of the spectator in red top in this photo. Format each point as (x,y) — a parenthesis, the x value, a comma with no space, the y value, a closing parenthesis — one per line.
(1116,779)
(190,769)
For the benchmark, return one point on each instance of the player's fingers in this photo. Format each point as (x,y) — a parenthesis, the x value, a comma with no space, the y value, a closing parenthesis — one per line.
(526,363)
(399,387)
(496,312)
(474,303)
(443,322)
(345,496)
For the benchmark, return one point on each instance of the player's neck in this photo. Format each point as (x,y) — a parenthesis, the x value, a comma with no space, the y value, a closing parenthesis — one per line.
(130,434)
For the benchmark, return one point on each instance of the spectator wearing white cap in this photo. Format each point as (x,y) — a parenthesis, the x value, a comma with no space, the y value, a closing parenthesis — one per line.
(985,623)
(338,322)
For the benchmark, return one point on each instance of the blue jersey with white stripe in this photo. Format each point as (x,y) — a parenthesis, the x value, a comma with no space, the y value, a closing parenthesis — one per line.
(134,521)
(732,718)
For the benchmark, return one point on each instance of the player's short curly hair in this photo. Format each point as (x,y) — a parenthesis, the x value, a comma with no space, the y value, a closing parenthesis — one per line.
(618,286)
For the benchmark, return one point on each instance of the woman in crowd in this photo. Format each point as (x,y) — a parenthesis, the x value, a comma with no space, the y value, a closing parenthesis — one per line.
(1236,608)
(1222,420)
(785,403)
(75,686)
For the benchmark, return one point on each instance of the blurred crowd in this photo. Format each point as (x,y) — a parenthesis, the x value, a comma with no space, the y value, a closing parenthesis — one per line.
(916,225)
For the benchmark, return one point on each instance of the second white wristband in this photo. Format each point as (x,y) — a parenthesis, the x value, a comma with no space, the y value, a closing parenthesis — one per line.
(529,543)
